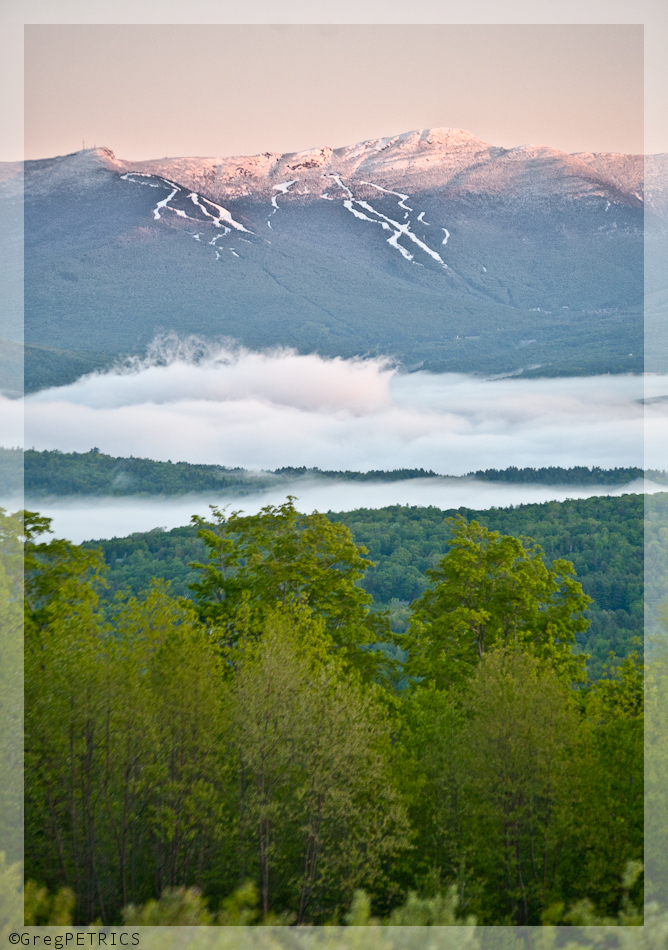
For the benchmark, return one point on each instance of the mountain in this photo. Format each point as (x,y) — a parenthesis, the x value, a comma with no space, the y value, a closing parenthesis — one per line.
(432,247)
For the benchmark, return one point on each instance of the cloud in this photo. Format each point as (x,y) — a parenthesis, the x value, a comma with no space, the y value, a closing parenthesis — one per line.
(193,402)
(88,519)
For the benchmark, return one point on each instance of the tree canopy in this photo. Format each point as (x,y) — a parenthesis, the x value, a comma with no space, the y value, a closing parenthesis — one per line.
(492,590)
(283,557)
(238,757)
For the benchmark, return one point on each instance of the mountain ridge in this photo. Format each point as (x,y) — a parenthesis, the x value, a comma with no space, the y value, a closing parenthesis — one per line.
(431,247)
(449,159)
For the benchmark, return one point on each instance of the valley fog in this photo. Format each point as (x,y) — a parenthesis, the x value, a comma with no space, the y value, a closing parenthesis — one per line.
(93,518)
(233,407)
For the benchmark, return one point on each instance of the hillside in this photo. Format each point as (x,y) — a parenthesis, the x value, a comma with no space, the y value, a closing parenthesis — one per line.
(603,537)
(432,247)
(61,474)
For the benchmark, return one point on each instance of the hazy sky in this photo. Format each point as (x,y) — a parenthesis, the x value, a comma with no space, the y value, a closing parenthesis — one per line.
(153,97)
(156,90)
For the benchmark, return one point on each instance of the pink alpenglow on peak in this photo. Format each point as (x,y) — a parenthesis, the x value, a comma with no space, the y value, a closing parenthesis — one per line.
(452,161)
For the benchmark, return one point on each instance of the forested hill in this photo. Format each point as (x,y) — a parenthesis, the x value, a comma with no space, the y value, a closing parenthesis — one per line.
(577,475)
(602,536)
(54,473)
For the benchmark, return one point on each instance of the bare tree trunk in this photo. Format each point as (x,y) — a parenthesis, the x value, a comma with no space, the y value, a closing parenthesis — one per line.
(311,855)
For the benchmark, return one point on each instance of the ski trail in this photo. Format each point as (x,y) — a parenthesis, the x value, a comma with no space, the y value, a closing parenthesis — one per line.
(394,242)
(163,204)
(359,214)
(223,214)
(283,188)
(422,220)
(403,228)
(151,184)
(388,192)
(337,179)
(447,235)
(221,220)
(284,185)
(386,222)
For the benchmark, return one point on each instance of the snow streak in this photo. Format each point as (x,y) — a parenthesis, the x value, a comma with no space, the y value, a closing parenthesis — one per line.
(358,207)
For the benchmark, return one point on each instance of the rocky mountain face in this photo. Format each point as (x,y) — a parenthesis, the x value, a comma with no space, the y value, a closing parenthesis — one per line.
(431,247)
(451,160)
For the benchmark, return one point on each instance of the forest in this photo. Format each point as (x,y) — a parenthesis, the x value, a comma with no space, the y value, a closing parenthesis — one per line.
(268,749)
(602,537)
(56,473)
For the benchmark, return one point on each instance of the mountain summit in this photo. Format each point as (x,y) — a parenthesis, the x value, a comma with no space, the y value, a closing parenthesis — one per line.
(451,160)
(431,247)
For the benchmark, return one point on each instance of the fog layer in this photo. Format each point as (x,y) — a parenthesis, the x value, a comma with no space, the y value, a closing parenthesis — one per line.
(82,519)
(268,410)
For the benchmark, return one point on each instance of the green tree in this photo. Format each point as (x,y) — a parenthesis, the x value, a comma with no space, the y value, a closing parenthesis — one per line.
(11,685)
(282,557)
(427,741)
(608,787)
(313,750)
(493,590)
(122,736)
(656,772)
(513,765)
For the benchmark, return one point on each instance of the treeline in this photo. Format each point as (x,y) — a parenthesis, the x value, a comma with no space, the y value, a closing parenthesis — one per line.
(11,472)
(577,475)
(374,475)
(602,536)
(95,473)
(273,737)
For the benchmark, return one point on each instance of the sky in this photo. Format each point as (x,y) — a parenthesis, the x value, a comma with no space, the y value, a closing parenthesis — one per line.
(151,78)
(149,91)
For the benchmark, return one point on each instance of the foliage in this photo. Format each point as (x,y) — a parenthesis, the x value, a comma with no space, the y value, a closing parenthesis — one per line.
(280,556)
(44,909)
(513,776)
(313,748)
(11,685)
(602,537)
(555,475)
(493,591)
(656,772)
(121,757)
(95,473)
(11,896)
(52,472)
(236,761)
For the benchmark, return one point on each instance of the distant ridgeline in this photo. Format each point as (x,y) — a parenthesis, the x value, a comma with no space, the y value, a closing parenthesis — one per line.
(54,473)
(578,475)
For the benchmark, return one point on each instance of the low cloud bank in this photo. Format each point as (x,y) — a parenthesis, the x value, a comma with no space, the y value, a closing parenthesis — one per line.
(192,402)
(86,519)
